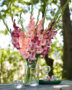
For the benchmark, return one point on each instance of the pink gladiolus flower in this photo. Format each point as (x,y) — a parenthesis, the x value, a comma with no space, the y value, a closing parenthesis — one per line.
(15,36)
(31,28)
(29,44)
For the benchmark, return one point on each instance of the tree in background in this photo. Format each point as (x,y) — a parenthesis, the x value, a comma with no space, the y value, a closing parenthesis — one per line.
(67,36)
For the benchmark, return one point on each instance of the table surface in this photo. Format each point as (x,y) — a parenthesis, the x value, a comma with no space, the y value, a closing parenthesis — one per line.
(64,85)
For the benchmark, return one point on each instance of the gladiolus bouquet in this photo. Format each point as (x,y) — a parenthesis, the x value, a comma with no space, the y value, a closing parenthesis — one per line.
(35,41)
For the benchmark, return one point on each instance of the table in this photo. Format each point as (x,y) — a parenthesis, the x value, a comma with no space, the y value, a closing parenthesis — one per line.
(65,85)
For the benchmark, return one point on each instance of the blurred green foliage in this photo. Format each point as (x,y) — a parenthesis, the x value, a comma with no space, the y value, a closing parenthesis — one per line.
(10,64)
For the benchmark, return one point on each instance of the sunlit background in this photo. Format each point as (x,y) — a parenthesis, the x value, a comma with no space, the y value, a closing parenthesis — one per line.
(12,63)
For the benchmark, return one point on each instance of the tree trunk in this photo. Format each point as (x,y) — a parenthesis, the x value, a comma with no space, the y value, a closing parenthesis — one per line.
(67,36)
(49,62)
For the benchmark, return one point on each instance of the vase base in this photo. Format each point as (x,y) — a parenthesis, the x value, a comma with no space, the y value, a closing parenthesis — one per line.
(32,85)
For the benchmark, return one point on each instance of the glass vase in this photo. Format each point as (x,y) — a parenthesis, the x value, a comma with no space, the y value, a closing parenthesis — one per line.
(31,76)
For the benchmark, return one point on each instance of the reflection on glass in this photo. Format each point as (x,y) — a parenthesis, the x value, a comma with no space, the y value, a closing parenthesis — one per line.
(46,70)
(18,84)
(55,77)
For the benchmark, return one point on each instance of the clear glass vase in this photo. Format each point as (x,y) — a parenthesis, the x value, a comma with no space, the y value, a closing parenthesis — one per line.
(31,76)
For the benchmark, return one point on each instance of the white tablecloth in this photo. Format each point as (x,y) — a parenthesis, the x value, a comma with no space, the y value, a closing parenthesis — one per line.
(65,85)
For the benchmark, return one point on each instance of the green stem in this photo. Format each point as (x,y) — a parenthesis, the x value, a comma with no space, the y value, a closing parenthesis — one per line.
(37,22)
(45,14)
(37,19)
(32,9)
(27,79)
(30,68)
(6,25)
(21,21)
